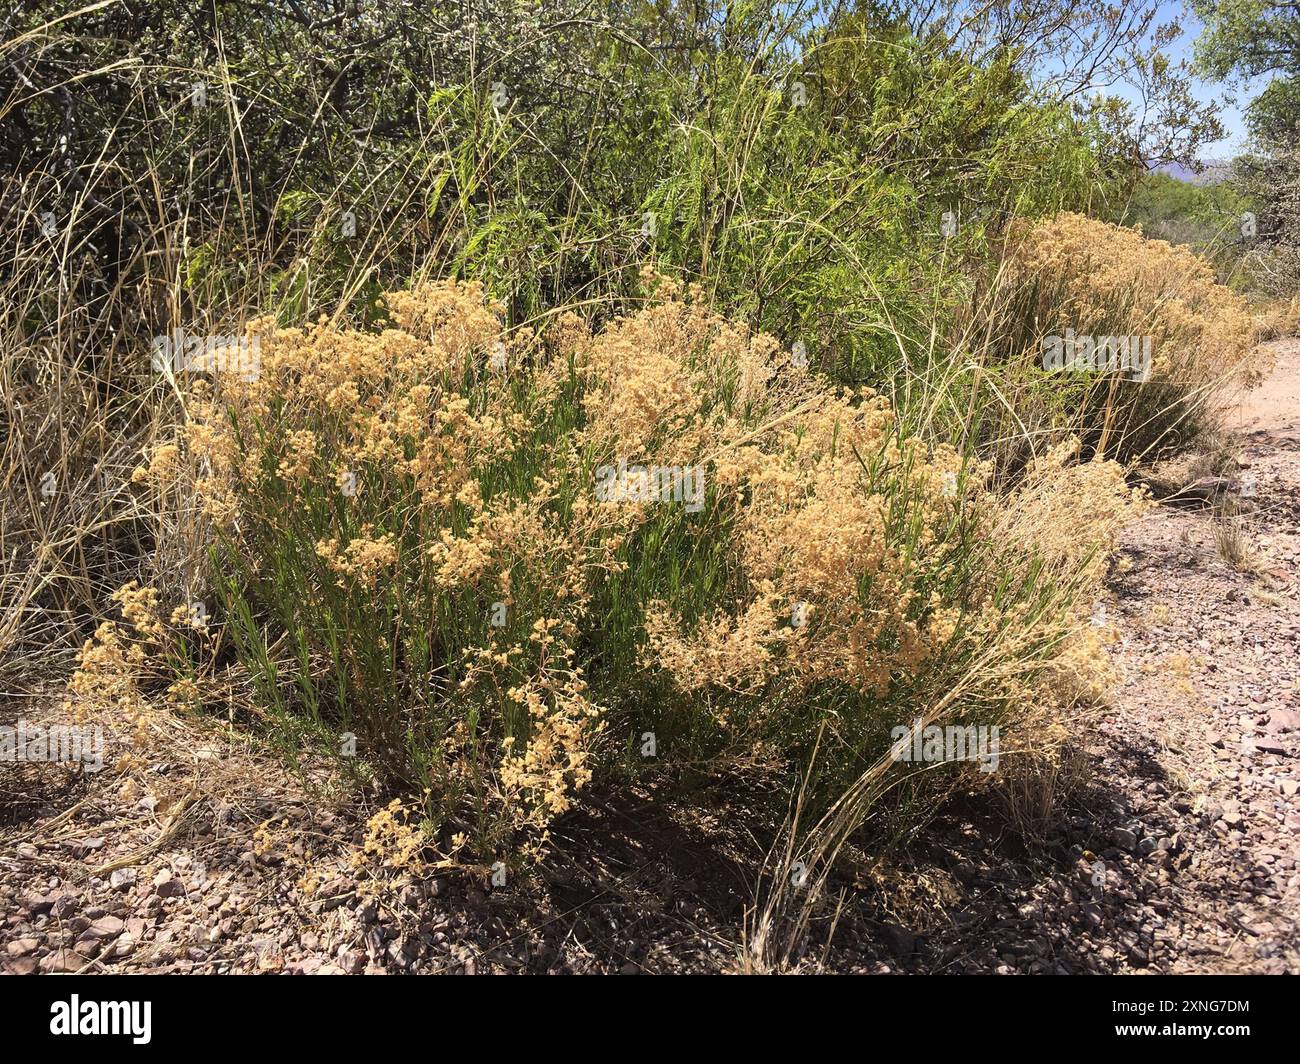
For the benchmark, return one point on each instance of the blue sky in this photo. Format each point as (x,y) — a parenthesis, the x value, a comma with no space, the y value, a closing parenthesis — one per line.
(1232,115)
(1232,98)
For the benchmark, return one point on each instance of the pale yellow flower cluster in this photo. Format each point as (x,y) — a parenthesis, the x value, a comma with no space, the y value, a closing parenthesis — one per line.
(105,686)
(391,840)
(365,558)
(139,606)
(810,531)
(1087,271)
(162,466)
(119,663)
(539,779)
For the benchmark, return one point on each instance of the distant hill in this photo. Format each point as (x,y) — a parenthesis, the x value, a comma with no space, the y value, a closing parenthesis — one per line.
(1213,172)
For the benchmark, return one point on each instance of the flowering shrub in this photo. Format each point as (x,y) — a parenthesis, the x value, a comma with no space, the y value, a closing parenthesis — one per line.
(1069,272)
(415,552)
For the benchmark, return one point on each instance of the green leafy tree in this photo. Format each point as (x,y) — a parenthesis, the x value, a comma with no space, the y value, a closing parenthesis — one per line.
(1257,39)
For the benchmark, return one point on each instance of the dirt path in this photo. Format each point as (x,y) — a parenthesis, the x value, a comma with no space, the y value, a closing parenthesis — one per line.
(1273,409)
(1210,652)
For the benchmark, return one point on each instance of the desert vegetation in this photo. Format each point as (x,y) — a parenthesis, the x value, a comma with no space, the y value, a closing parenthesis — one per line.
(481,411)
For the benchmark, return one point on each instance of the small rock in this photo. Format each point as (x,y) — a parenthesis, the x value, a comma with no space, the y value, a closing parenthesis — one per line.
(83,847)
(62,961)
(1280,720)
(901,941)
(165,885)
(64,906)
(106,928)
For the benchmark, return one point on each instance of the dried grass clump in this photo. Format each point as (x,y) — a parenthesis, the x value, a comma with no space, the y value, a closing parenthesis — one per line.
(1067,515)
(1065,519)
(1278,320)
